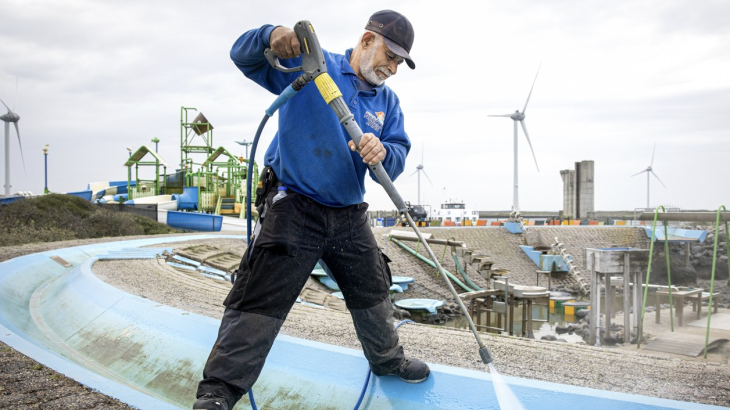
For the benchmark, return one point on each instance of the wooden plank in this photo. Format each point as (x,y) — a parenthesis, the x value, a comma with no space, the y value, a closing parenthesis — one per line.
(683,344)
(720,321)
(685,216)
(61,261)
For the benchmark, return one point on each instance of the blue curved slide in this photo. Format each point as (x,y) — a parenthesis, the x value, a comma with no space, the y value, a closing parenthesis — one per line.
(151,356)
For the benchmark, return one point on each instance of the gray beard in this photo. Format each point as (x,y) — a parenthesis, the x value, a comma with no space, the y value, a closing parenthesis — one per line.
(366,66)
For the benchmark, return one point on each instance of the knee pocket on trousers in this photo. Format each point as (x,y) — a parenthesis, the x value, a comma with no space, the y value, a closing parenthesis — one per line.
(238,291)
(387,274)
(281,229)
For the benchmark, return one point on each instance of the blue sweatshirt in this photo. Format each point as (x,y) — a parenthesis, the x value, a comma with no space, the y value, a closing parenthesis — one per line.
(309,153)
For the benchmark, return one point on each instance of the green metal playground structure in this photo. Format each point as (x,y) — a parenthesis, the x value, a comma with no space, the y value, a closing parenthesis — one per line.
(142,189)
(721,216)
(220,178)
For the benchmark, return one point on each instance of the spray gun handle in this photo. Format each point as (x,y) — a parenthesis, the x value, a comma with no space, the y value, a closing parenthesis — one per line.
(274,61)
(313,63)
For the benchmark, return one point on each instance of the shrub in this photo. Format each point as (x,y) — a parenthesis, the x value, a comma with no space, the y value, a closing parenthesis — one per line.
(104,222)
(58,217)
(70,204)
(151,227)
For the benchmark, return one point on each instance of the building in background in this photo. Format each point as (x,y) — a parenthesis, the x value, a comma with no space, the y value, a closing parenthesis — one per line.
(578,193)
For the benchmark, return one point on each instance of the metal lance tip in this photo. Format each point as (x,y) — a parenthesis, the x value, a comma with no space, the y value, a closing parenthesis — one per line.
(486,355)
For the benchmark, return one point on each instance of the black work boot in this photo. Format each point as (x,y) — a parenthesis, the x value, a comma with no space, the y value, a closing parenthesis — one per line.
(412,371)
(210,402)
(378,337)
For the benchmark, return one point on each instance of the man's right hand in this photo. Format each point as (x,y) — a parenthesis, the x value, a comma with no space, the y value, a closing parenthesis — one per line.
(285,43)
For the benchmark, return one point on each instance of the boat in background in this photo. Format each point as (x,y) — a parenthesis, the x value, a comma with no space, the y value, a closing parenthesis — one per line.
(455,213)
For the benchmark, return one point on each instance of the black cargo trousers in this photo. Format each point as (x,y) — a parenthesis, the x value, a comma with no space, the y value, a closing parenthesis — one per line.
(295,233)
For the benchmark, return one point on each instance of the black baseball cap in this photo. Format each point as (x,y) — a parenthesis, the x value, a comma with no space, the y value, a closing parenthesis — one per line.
(397,32)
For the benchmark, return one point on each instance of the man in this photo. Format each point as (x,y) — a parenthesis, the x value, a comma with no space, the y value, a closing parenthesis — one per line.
(323,215)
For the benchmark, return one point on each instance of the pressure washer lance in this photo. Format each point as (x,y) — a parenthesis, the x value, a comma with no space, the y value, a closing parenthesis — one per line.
(315,68)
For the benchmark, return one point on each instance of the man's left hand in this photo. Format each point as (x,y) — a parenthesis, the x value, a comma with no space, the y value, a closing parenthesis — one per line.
(372,150)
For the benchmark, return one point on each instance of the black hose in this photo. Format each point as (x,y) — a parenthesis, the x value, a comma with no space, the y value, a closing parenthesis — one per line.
(249,176)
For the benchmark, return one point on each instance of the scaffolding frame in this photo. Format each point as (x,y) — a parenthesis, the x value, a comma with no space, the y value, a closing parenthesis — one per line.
(722,215)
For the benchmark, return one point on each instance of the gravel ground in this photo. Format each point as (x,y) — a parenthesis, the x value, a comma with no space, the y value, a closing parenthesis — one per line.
(25,384)
(615,369)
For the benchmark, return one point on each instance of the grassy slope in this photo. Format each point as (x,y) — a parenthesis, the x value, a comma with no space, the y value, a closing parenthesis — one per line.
(59,217)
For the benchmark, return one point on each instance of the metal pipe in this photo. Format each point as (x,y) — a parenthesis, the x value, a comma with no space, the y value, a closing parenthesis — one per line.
(7,158)
(432,264)
(597,324)
(508,317)
(45,170)
(712,275)
(483,350)
(333,97)
(515,187)
(686,216)
(463,273)
(435,241)
(648,271)
(627,298)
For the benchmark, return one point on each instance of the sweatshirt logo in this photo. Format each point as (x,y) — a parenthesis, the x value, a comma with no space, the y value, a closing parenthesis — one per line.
(375,121)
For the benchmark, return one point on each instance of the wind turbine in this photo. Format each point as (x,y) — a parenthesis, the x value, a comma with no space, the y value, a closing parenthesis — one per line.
(420,169)
(8,118)
(650,170)
(518,116)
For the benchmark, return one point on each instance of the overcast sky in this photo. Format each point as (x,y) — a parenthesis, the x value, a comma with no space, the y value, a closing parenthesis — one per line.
(94,78)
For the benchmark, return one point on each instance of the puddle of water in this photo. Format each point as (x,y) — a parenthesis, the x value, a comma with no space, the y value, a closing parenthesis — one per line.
(539,329)
(543,323)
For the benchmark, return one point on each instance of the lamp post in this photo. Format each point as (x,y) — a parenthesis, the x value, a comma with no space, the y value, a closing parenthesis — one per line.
(45,170)
(129,169)
(245,144)
(156,141)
